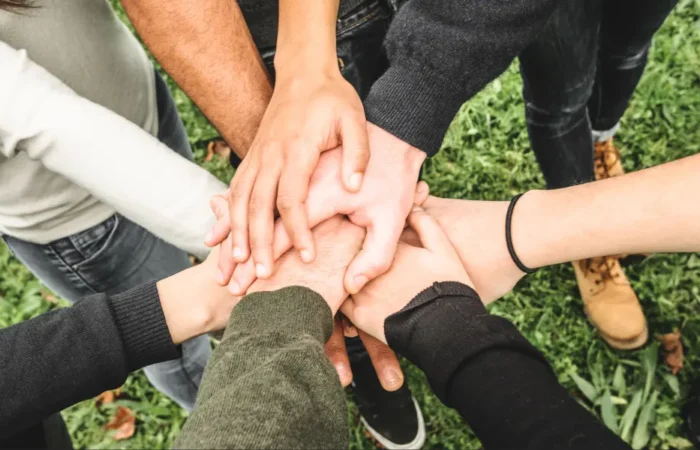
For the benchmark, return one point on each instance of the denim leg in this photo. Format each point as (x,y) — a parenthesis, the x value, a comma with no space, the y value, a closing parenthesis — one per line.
(627,29)
(117,255)
(558,72)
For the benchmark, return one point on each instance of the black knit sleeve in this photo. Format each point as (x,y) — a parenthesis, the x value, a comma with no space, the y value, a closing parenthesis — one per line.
(483,367)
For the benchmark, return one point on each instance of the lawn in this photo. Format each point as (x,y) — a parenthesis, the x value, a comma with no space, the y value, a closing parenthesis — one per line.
(486,155)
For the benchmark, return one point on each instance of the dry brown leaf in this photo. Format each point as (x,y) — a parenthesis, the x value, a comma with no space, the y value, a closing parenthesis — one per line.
(672,350)
(124,422)
(108,396)
(49,297)
(219,148)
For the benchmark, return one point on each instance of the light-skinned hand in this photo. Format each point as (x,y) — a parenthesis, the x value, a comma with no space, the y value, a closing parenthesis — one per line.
(414,269)
(381,207)
(338,241)
(309,113)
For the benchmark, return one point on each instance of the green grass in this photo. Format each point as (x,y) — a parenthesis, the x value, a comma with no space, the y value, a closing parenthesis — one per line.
(486,156)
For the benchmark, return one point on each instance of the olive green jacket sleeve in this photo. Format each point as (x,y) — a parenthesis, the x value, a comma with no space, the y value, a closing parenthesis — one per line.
(269,383)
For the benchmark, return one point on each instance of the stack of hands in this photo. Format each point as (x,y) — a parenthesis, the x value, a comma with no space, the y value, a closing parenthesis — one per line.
(441,240)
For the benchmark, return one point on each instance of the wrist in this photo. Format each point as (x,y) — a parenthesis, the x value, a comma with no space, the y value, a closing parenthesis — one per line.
(185,306)
(529,232)
(307,62)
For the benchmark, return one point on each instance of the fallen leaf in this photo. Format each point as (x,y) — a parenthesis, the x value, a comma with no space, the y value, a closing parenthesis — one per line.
(217,147)
(124,422)
(49,297)
(672,350)
(108,396)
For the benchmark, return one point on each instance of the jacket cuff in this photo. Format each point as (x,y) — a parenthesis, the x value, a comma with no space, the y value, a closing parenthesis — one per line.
(142,326)
(292,310)
(414,104)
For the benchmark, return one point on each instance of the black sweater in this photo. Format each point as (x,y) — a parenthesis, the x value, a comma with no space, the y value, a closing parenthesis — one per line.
(72,354)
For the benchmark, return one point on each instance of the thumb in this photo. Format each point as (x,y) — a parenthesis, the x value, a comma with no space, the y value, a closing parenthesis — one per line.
(422,193)
(376,255)
(355,150)
(222,227)
(429,231)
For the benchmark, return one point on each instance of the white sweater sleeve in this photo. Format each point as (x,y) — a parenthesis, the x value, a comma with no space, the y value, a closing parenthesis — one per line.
(110,157)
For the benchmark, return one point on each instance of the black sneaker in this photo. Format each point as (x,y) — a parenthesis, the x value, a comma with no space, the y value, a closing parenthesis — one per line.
(393,419)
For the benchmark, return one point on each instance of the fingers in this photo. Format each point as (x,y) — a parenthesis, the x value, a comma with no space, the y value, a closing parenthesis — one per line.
(262,219)
(356,152)
(239,198)
(376,255)
(385,362)
(337,354)
(291,198)
(429,231)
(422,193)
(222,227)
(226,263)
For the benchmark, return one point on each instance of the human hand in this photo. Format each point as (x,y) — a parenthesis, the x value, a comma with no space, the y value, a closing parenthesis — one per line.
(477,232)
(384,360)
(310,112)
(381,206)
(193,304)
(414,269)
(338,241)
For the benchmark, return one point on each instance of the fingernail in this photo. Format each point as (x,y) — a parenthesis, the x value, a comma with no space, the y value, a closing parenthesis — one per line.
(343,372)
(220,277)
(392,378)
(237,253)
(260,270)
(234,288)
(209,237)
(306,256)
(422,188)
(360,281)
(417,209)
(355,181)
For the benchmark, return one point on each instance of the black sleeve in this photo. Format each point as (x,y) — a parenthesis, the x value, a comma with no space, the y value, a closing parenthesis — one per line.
(72,354)
(441,53)
(484,368)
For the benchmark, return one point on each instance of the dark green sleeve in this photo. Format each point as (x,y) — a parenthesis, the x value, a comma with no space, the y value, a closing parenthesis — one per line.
(269,383)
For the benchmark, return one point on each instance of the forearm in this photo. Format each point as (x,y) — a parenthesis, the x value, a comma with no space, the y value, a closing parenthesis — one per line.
(72,354)
(653,210)
(110,157)
(306,31)
(206,47)
(480,365)
(271,357)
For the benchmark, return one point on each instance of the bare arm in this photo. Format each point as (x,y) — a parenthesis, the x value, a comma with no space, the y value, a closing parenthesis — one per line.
(206,47)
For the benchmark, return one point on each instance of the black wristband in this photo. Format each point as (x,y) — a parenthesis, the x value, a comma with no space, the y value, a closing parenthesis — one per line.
(509,237)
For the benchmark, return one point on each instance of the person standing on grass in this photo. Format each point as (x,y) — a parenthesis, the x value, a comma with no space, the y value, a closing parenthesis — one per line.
(578,78)
(380,77)
(97,186)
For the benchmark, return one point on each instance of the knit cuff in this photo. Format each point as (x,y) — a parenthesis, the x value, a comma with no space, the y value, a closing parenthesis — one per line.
(414,104)
(291,310)
(446,325)
(142,326)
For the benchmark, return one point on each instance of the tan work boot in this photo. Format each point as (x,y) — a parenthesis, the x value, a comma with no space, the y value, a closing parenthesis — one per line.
(609,301)
(606,160)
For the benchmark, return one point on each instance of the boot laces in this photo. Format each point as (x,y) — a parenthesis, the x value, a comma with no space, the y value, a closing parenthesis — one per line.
(606,155)
(603,268)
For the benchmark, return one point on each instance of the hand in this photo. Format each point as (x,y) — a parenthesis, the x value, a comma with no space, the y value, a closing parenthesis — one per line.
(308,114)
(477,232)
(414,269)
(338,241)
(381,206)
(383,358)
(193,304)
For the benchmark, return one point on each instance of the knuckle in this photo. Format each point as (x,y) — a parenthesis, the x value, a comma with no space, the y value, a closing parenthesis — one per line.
(286,203)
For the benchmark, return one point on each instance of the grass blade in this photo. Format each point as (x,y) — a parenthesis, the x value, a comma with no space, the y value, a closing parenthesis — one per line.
(607,411)
(619,380)
(641,432)
(585,387)
(629,416)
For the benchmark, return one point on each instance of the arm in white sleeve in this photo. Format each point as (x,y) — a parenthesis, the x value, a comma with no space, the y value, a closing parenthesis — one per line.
(110,157)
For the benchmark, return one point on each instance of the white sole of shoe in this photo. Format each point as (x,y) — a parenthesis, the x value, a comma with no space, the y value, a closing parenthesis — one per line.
(415,444)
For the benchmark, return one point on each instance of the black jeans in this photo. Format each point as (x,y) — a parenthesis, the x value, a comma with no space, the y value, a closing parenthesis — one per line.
(360,33)
(580,74)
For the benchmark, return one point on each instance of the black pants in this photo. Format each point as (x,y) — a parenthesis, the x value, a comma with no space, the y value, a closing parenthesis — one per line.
(580,75)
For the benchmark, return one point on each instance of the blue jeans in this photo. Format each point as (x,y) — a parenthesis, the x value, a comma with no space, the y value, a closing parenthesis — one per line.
(117,255)
(579,75)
